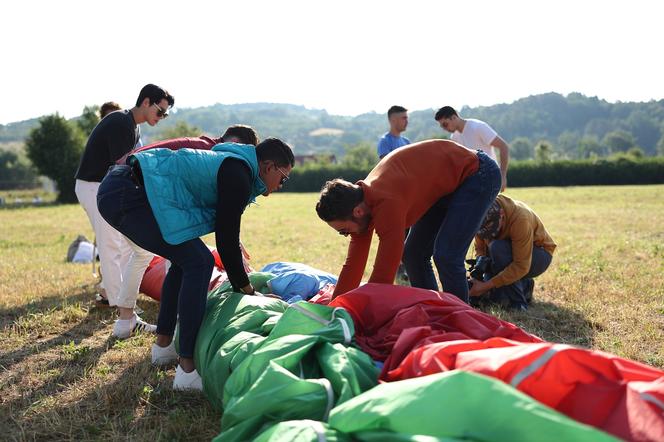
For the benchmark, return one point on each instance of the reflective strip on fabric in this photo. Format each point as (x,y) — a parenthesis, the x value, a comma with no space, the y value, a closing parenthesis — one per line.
(319,429)
(330,396)
(313,316)
(652,399)
(537,364)
(346,329)
(344,325)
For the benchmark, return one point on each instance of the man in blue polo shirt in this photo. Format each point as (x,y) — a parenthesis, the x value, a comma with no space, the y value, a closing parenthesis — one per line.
(392,140)
(398,118)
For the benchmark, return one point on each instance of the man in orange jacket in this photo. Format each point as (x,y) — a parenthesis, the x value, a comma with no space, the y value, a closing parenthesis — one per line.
(438,187)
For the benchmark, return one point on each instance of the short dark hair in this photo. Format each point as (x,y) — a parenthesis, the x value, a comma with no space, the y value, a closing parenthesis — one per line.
(338,198)
(445,112)
(155,94)
(273,149)
(395,110)
(245,134)
(107,108)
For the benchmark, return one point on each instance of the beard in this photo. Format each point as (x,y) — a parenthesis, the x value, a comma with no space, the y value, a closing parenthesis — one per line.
(362,223)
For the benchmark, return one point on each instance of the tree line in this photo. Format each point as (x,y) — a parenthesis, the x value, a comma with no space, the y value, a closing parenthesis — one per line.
(541,128)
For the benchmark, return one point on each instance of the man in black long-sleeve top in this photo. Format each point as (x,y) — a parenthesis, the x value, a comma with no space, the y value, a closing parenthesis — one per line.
(114,136)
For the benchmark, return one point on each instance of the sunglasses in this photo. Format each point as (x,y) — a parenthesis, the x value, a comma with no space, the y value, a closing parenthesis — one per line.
(284,178)
(343,232)
(161,113)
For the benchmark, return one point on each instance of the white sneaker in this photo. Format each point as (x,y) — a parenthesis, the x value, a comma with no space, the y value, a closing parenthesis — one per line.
(124,328)
(187,381)
(164,355)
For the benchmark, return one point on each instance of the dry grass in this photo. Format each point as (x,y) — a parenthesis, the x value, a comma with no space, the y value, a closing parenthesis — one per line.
(63,377)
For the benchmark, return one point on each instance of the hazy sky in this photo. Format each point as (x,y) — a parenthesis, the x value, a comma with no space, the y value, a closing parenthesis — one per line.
(348,57)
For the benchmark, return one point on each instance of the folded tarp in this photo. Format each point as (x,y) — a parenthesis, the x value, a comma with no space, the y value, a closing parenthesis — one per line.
(233,323)
(297,282)
(619,396)
(262,361)
(447,406)
(301,370)
(383,312)
(303,431)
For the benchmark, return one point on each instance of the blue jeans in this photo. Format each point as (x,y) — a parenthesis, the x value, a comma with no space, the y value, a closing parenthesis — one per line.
(123,203)
(447,229)
(515,294)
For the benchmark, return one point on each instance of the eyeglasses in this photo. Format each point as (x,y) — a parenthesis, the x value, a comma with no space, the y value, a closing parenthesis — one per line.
(284,178)
(161,113)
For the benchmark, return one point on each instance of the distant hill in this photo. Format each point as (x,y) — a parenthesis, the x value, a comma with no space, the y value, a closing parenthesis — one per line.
(561,120)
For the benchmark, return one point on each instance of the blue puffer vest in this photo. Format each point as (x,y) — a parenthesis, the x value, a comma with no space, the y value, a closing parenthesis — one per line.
(181,186)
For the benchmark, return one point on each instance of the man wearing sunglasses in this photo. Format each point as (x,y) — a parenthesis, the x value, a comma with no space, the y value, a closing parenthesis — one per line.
(438,187)
(139,259)
(164,200)
(115,135)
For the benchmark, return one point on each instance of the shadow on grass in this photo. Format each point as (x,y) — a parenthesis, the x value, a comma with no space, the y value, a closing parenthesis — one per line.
(92,322)
(137,403)
(57,388)
(47,303)
(550,322)
(95,320)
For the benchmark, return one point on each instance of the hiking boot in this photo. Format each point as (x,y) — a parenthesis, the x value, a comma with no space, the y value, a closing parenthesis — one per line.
(164,355)
(187,381)
(124,328)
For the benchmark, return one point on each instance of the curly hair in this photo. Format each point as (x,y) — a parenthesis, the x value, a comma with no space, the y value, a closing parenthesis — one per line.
(338,198)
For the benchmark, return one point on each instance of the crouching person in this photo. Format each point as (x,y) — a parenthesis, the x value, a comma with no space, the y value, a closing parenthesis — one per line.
(519,248)
(164,200)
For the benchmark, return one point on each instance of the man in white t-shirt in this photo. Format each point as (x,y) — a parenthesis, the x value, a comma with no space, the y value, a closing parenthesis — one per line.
(475,134)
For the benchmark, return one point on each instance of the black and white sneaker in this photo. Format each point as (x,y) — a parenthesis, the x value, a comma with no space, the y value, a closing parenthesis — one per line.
(124,328)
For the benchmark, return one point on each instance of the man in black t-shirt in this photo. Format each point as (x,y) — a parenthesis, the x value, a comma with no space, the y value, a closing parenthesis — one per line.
(115,135)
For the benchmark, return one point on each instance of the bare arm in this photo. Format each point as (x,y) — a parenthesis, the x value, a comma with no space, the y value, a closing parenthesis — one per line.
(503,148)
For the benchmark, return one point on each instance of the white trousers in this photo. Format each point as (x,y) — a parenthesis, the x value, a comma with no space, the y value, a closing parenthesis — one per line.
(122,262)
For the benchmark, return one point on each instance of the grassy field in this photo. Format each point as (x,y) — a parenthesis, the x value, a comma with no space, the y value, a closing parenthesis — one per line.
(62,376)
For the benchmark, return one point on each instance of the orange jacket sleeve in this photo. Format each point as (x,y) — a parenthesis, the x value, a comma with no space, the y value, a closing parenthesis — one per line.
(388,256)
(356,260)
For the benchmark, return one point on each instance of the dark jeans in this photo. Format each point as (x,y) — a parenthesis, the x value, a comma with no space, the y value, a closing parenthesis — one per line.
(124,205)
(515,294)
(447,229)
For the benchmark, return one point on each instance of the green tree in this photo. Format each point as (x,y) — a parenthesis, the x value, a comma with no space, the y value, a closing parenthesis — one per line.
(521,148)
(590,147)
(660,146)
(360,155)
(567,143)
(180,130)
(16,172)
(543,151)
(645,128)
(636,152)
(89,119)
(618,141)
(55,148)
